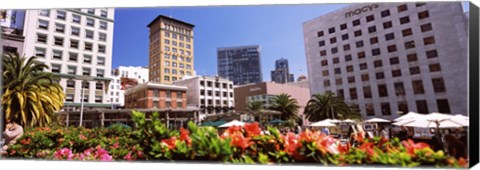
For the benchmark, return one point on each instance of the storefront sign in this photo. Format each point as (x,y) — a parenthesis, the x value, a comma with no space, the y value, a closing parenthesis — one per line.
(360,10)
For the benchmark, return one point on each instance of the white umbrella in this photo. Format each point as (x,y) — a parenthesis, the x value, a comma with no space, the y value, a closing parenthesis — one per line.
(461,119)
(348,121)
(332,120)
(409,115)
(323,123)
(233,123)
(432,120)
(377,120)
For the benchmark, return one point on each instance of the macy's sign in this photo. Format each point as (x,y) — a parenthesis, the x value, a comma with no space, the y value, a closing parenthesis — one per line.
(360,10)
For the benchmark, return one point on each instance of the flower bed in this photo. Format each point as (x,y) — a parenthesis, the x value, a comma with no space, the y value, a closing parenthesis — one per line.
(151,140)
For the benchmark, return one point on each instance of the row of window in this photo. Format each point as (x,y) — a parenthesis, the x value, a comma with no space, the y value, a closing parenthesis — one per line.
(217,93)
(176,29)
(217,84)
(74,44)
(174,43)
(59,27)
(174,72)
(72,70)
(59,55)
(74,31)
(62,15)
(175,50)
(167,104)
(86,85)
(422,107)
(418,88)
(403,20)
(210,102)
(71,97)
(168,94)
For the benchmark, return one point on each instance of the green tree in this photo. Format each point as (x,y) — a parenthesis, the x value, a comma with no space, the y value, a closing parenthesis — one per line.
(254,106)
(30,96)
(287,106)
(323,106)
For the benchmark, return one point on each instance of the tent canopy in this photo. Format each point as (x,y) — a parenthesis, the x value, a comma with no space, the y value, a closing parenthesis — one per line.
(233,123)
(323,123)
(377,120)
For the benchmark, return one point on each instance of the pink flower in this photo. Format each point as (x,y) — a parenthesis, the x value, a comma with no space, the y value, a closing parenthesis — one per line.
(116,145)
(128,156)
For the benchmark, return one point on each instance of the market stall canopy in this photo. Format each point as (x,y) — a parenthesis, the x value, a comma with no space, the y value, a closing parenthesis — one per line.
(434,120)
(323,123)
(377,120)
(233,123)
(277,121)
(409,115)
(333,120)
(348,121)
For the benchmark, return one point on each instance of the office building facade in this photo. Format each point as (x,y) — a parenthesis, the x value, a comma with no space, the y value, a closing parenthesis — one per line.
(281,74)
(171,50)
(391,58)
(240,64)
(76,44)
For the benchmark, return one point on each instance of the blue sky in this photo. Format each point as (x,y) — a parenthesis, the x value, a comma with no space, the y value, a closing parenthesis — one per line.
(276,28)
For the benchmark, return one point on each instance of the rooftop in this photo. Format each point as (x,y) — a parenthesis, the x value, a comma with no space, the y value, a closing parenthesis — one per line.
(169,18)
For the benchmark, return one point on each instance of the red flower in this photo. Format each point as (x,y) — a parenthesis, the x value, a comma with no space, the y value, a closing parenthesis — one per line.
(292,144)
(462,162)
(252,129)
(412,146)
(232,130)
(170,142)
(239,140)
(25,141)
(343,148)
(184,136)
(309,136)
(367,147)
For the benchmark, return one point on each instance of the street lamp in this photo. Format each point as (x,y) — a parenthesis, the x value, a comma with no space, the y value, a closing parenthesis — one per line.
(84,79)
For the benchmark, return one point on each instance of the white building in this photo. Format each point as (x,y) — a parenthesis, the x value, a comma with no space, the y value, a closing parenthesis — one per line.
(117,90)
(389,58)
(77,45)
(213,95)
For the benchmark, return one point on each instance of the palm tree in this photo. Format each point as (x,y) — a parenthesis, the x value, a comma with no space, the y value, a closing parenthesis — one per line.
(30,96)
(286,105)
(325,106)
(254,106)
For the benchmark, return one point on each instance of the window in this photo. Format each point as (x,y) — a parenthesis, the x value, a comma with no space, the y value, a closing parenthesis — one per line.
(356,22)
(209,92)
(429,40)
(340,93)
(87,59)
(394,61)
(443,106)
(70,84)
(343,26)
(409,44)
(89,34)
(346,47)
(337,71)
(174,43)
(402,8)
(174,36)
(331,30)
(348,57)
(423,15)
(90,22)
(367,92)
(174,64)
(168,94)
(333,40)
(365,77)
(86,72)
(351,79)
(363,66)
(372,29)
(103,25)
(414,70)
(438,85)
(380,75)
(334,50)
(323,53)
(432,54)
(324,62)
(434,67)
(396,73)
(420,4)
(59,27)
(75,31)
(389,36)
(325,73)
(361,55)
(404,20)
(382,90)
(374,40)
(61,15)
(88,46)
(56,68)
(412,57)
(386,109)
(72,56)
(76,18)
(403,107)
(166,78)
(91,11)
(57,54)
(422,106)
(42,38)
(387,25)
(326,83)
(167,71)
(407,32)
(166,63)
(418,87)
(101,48)
(174,71)
(338,81)
(319,33)
(369,109)
(179,95)
(102,37)
(392,48)
(336,60)
(98,86)
(385,13)
(358,33)
(426,27)
(370,18)
(188,66)
(345,36)
(350,68)
(321,43)
(74,44)
(399,89)
(101,61)
(58,41)
(359,44)
(42,24)
(376,51)
(104,13)
(188,47)
(45,12)
(353,93)
(378,63)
